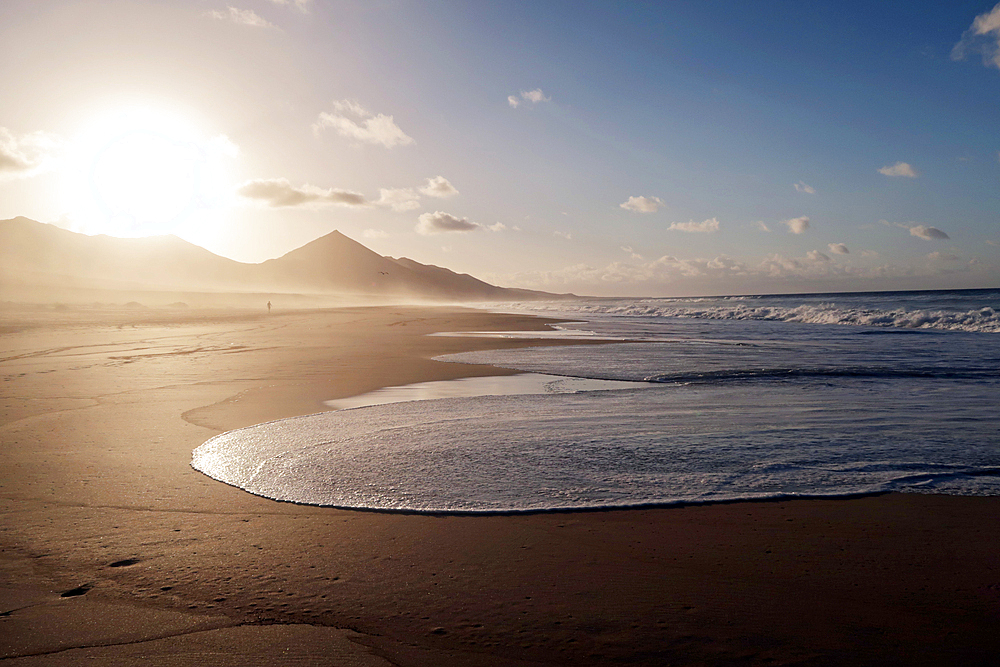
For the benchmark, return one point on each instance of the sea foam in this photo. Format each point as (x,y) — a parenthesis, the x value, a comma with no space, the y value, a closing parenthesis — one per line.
(741,400)
(619,448)
(897,310)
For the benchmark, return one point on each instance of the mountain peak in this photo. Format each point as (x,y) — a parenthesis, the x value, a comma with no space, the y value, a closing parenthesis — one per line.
(35,253)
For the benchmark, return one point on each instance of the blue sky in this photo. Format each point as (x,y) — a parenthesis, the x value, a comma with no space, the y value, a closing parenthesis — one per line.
(764,147)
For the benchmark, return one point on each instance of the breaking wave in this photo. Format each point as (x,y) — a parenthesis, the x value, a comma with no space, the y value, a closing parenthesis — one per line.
(979,320)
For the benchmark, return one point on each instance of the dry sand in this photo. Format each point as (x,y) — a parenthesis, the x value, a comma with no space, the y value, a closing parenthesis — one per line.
(114,551)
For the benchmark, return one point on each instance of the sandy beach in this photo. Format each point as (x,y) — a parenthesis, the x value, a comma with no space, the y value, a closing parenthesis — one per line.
(115,551)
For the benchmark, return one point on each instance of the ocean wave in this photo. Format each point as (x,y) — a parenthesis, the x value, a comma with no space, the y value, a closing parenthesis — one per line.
(870,372)
(626,448)
(979,320)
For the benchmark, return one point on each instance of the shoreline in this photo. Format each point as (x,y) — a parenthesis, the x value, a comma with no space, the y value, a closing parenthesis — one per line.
(97,422)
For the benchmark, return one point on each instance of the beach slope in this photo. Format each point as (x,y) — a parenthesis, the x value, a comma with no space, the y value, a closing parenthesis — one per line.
(115,550)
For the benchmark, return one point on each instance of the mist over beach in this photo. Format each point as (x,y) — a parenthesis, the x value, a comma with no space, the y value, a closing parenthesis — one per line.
(348,333)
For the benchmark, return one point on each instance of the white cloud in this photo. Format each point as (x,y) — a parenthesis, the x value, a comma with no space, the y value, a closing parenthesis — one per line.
(642,204)
(939,256)
(352,107)
(534,96)
(399,199)
(927,233)
(869,253)
(374,234)
(724,262)
(814,265)
(668,264)
(497,227)
(564,235)
(802,187)
(301,5)
(988,22)
(797,225)
(407,199)
(439,187)
(279,193)
(898,169)
(770,273)
(28,154)
(779,265)
(703,227)
(762,227)
(983,36)
(839,249)
(242,17)
(440,223)
(922,231)
(353,121)
(632,253)
(665,269)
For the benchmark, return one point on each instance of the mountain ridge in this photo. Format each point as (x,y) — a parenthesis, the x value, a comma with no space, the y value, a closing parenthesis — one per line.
(36,253)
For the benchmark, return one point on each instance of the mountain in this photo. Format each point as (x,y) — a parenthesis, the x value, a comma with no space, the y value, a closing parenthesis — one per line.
(335,262)
(35,254)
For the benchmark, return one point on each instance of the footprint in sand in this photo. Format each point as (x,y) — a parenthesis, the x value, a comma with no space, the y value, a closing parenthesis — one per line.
(79,590)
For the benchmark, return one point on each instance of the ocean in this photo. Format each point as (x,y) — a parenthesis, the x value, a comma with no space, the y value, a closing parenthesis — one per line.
(685,400)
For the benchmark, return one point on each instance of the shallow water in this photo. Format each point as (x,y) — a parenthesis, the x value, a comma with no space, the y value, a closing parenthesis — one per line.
(492,385)
(619,448)
(728,409)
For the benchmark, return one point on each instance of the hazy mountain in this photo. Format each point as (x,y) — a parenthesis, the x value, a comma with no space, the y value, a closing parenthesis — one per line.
(36,253)
(33,254)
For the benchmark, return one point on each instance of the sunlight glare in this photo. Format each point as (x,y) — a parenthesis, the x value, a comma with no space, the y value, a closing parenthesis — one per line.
(140,172)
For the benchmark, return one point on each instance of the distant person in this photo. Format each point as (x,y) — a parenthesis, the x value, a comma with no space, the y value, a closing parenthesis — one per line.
(268,307)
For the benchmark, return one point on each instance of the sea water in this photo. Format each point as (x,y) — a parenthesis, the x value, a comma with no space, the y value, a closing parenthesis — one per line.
(723,399)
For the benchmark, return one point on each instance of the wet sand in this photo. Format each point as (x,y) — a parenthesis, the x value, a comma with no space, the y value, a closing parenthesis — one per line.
(114,550)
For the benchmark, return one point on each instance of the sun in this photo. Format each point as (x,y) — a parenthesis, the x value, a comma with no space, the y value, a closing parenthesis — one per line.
(144,178)
(140,171)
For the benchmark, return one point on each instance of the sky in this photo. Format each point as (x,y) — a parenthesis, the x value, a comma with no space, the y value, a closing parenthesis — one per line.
(604,148)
